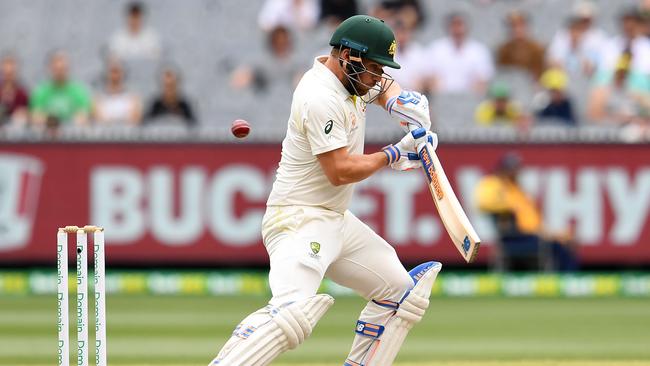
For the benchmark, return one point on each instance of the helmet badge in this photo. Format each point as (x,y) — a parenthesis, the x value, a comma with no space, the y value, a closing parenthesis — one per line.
(392,48)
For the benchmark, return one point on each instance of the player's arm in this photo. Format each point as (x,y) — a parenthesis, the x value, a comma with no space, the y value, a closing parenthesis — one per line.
(393,90)
(409,108)
(341,167)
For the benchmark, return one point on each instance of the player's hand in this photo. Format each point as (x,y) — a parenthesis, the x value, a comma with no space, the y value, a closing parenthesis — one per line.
(432,140)
(405,150)
(411,109)
(408,161)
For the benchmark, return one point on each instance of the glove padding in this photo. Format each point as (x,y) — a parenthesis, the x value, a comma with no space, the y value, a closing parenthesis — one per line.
(408,161)
(403,156)
(411,109)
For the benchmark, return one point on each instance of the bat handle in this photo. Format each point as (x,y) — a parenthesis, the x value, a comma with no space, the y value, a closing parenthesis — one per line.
(412,127)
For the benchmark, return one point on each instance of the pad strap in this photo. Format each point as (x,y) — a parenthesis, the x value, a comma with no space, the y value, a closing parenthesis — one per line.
(369,330)
(378,344)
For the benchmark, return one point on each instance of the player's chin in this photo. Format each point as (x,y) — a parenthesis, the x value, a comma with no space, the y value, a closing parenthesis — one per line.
(362,90)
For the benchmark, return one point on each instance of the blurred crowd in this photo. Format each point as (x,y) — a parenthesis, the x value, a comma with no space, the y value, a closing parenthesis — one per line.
(61,100)
(583,76)
(613,70)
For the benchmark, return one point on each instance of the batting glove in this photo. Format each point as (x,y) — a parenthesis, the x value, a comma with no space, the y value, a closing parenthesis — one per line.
(411,109)
(402,155)
(408,162)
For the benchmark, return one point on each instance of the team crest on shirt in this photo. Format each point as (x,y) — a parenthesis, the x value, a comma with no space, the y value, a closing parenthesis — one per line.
(315,249)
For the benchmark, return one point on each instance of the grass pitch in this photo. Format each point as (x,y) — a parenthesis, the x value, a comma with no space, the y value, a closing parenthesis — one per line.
(180,331)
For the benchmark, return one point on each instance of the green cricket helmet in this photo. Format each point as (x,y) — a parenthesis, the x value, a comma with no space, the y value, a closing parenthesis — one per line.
(371,37)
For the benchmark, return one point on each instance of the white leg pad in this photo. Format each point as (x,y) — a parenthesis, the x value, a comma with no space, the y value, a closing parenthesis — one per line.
(270,331)
(381,349)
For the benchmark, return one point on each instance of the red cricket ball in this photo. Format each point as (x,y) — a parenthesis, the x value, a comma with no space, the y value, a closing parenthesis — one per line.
(240,128)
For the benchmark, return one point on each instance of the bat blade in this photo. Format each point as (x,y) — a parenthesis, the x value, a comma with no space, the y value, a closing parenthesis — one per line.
(451,213)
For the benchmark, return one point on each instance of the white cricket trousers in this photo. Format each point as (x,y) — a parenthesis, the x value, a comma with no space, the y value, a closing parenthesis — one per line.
(307,243)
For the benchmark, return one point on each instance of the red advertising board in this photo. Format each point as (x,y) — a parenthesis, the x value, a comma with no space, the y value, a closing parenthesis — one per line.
(203,203)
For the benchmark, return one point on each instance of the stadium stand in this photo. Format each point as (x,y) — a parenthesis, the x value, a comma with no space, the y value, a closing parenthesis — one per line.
(203,40)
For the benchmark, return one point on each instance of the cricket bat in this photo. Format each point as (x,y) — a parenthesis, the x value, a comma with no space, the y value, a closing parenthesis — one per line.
(451,213)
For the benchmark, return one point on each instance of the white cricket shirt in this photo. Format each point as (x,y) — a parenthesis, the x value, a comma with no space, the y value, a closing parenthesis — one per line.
(324,117)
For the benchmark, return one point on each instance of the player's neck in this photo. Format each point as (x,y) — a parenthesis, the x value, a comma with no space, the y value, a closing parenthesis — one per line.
(333,64)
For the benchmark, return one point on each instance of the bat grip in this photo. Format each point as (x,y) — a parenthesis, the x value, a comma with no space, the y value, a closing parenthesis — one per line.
(413,127)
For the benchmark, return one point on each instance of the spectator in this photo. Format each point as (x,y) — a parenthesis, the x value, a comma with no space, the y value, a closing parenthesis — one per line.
(333,12)
(135,42)
(644,12)
(458,64)
(630,49)
(410,55)
(499,108)
(13,95)
(281,68)
(59,100)
(170,102)
(411,12)
(553,103)
(115,105)
(520,50)
(625,99)
(577,48)
(621,86)
(293,14)
(518,220)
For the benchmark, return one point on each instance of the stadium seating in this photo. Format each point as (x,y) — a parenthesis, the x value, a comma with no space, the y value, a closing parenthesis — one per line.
(207,39)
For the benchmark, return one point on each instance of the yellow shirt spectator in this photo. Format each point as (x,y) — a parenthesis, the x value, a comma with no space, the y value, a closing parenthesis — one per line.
(489,112)
(498,107)
(497,194)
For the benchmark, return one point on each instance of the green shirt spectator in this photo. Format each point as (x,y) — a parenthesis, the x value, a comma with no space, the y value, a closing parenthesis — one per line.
(59,100)
(62,101)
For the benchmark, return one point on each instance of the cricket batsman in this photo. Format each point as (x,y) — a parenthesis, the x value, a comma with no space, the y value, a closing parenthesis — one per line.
(307,229)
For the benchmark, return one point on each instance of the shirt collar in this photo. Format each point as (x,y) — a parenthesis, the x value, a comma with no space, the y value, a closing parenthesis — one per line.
(326,75)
